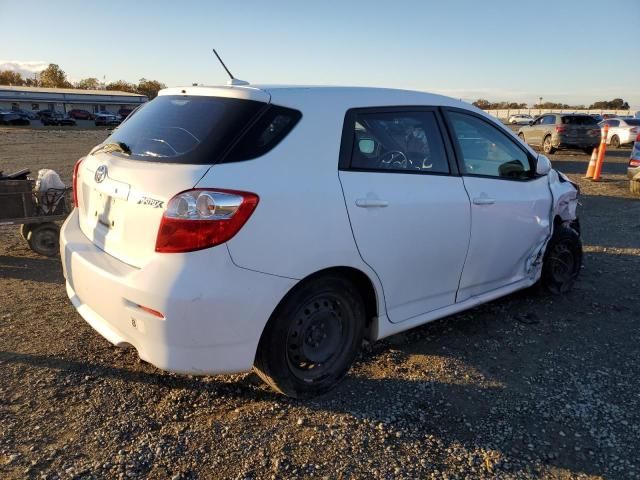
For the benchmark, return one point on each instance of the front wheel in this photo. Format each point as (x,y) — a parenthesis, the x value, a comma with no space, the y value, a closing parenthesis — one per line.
(562,260)
(313,337)
(521,136)
(547,147)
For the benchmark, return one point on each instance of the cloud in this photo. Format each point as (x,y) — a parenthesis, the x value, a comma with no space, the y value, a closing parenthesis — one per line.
(26,69)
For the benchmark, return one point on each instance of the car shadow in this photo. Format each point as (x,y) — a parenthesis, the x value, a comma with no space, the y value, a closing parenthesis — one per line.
(41,269)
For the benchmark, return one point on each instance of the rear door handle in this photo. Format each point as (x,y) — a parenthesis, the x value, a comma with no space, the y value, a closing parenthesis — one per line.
(484,201)
(371,203)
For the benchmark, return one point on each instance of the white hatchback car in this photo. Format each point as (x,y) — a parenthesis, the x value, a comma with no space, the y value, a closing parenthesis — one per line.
(622,131)
(221,228)
(520,119)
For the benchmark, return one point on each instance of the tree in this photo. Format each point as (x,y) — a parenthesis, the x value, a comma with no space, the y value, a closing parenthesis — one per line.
(90,83)
(150,88)
(54,77)
(487,105)
(122,86)
(615,104)
(483,104)
(9,77)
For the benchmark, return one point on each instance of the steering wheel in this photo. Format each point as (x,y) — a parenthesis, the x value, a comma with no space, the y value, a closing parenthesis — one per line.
(395,159)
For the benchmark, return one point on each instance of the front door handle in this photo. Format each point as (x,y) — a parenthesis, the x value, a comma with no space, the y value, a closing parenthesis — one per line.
(484,201)
(371,203)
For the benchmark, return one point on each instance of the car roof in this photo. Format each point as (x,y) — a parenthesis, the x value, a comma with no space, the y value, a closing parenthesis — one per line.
(308,96)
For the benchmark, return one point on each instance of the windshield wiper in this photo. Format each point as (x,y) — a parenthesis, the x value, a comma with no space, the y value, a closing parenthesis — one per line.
(113,147)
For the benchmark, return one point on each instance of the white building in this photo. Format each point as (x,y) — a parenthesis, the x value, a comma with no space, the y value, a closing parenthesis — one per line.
(65,99)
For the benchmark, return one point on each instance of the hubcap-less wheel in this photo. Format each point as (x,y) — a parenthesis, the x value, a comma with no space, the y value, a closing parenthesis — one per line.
(313,337)
(44,239)
(546,146)
(562,260)
(562,264)
(316,337)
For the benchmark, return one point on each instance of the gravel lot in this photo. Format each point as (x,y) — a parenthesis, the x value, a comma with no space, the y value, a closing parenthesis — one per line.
(527,386)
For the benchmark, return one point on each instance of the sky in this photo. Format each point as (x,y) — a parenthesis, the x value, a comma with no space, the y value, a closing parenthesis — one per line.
(570,51)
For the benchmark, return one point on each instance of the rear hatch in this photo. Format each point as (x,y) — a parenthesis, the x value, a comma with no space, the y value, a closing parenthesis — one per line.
(162,149)
(581,128)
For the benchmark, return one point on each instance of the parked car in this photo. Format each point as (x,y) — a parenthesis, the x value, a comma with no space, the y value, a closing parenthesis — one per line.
(520,119)
(606,116)
(29,115)
(57,118)
(622,131)
(597,116)
(278,226)
(45,113)
(78,114)
(12,118)
(554,131)
(106,119)
(124,113)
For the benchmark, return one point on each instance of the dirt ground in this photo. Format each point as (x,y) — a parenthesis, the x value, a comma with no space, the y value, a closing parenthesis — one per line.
(527,386)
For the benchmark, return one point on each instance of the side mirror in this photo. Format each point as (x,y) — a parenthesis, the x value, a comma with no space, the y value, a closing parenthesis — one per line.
(543,165)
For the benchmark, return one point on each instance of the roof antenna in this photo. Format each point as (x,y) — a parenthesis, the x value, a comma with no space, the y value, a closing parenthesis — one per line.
(233,81)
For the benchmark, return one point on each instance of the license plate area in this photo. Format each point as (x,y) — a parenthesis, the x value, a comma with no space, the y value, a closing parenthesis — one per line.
(104,209)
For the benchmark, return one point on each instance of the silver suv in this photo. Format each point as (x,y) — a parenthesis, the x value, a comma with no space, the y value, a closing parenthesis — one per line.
(554,131)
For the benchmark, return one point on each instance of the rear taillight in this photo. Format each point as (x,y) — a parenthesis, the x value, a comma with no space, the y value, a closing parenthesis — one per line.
(634,130)
(203,218)
(634,163)
(561,129)
(76,169)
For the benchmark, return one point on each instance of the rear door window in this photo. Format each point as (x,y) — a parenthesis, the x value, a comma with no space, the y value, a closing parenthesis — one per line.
(408,142)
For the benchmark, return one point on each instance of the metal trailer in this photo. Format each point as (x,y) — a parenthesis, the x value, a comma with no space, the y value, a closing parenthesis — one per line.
(35,212)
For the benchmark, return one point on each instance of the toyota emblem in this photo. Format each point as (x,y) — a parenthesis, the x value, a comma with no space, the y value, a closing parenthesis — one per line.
(101,173)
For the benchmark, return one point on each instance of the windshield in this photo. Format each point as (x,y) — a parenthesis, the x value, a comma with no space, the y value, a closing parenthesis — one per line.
(579,120)
(185,129)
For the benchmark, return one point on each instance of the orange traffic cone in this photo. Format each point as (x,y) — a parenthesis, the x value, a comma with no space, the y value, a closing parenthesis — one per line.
(592,163)
(601,153)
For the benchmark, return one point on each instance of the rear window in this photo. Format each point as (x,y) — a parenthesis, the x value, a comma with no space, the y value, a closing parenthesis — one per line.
(201,130)
(579,120)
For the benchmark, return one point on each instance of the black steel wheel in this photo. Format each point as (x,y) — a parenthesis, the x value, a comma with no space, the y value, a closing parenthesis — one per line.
(44,239)
(313,337)
(562,260)
(547,147)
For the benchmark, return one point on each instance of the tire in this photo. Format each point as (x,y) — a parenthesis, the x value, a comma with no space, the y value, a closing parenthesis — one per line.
(588,150)
(615,142)
(634,186)
(562,260)
(547,147)
(25,228)
(44,239)
(312,338)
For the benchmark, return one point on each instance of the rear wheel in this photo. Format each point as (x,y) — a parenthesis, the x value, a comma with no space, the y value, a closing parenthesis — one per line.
(313,337)
(44,239)
(634,186)
(547,147)
(615,141)
(562,260)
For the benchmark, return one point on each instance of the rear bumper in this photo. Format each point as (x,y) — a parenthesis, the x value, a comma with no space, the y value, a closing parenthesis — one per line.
(214,312)
(569,142)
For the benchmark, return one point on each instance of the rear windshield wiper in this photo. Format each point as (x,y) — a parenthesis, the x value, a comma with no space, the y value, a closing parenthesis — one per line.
(113,147)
